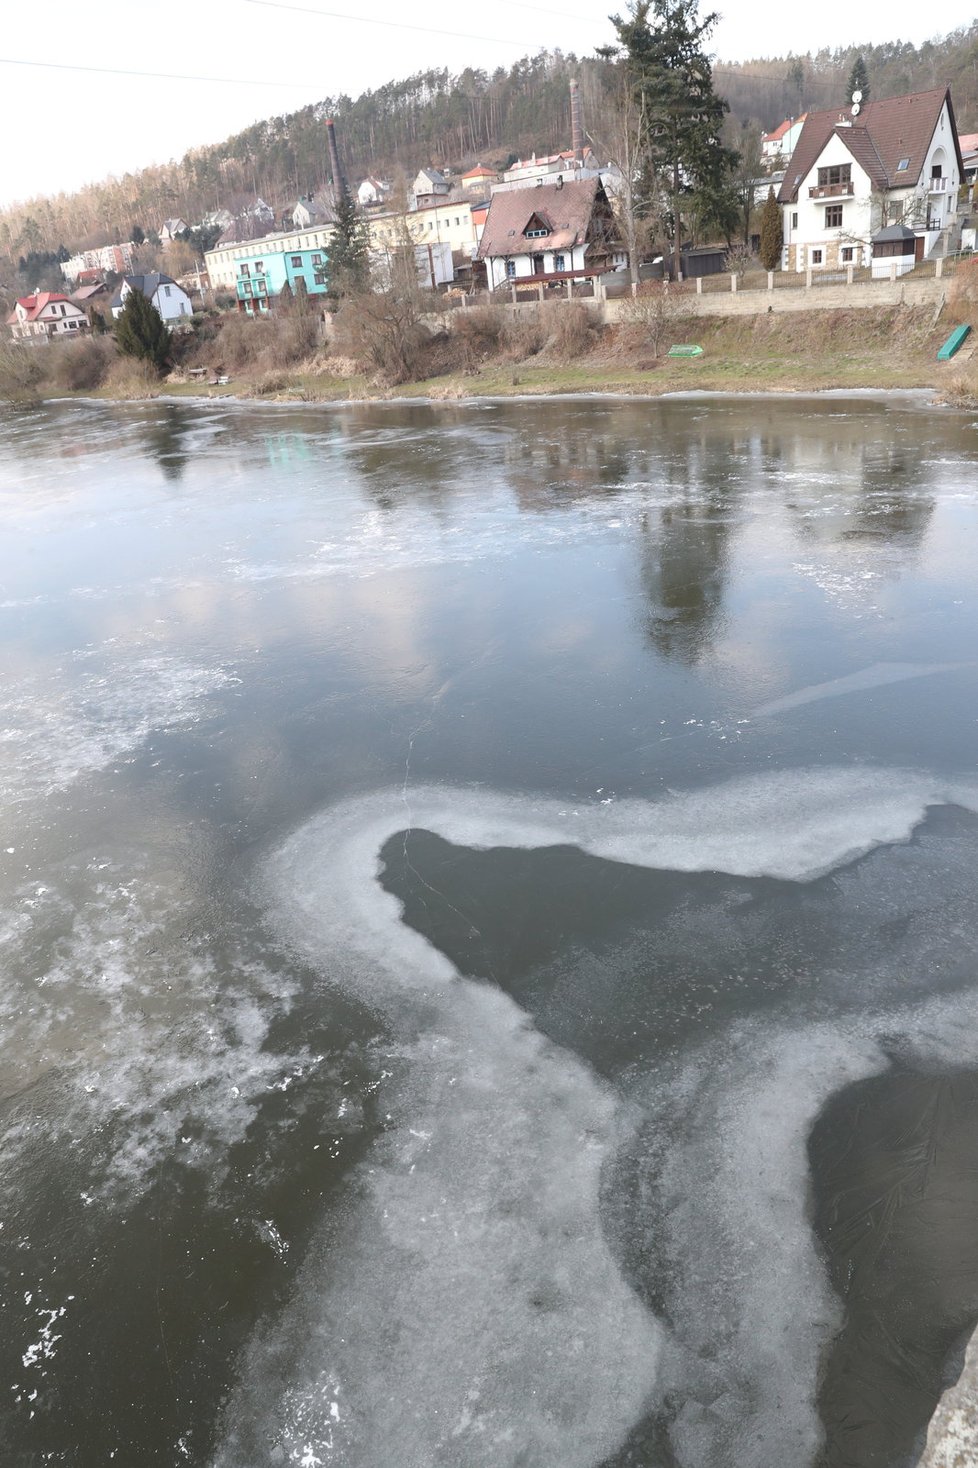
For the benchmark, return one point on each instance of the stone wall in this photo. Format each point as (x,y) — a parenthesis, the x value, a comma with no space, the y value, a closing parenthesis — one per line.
(862,297)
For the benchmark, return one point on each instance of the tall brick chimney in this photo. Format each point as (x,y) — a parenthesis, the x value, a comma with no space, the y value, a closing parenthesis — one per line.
(577,125)
(336,173)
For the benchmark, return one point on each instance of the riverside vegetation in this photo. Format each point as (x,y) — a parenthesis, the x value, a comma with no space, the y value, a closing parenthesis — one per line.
(369,351)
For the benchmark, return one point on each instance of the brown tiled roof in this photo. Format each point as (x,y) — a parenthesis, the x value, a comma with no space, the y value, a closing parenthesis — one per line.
(880,136)
(566,212)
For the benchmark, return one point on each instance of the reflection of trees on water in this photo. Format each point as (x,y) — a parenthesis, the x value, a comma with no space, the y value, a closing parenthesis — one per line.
(683,569)
(166,439)
(684,543)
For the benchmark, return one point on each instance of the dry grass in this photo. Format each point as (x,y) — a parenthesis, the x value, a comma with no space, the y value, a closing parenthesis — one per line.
(130,379)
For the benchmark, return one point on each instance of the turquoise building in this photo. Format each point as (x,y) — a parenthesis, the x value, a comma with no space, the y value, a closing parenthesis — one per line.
(269,265)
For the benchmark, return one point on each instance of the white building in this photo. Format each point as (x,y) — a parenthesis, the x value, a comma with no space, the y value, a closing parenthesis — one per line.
(371,192)
(858,170)
(312,213)
(779,145)
(172,229)
(170,300)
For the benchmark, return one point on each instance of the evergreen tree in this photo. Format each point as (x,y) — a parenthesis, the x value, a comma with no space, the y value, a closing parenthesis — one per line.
(348,259)
(772,234)
(661,42)
(858,80)
(140,332)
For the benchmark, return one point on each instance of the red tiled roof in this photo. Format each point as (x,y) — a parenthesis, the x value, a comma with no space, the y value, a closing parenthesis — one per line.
(968,142)
(879,137)
(34,305)
(480,171)
(566,212)
(785,127)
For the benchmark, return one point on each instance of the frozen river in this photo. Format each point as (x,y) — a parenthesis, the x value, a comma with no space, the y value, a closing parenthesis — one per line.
(489,970)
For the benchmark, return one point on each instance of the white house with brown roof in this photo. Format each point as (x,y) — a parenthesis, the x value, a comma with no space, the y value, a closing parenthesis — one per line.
(859,170)
(47,313)
(550,233)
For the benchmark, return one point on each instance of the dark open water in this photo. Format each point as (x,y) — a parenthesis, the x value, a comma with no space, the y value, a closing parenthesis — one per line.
(489,930)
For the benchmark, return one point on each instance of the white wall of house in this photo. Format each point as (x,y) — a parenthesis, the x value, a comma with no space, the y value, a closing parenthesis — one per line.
(170,300)
(498,270)
(819,244)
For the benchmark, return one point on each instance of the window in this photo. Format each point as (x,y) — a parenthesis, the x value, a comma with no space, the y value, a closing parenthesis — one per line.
(320,277)
(166,288)
(317,259)
(297,261)
(245,269)
(794,221)
(833,216)
(837,173)
(559,262)
(457,221)
(937,171)
(847,254)
(536,233)
(816,257)
(510,269)
(903,165)
(72,325)
(259,267)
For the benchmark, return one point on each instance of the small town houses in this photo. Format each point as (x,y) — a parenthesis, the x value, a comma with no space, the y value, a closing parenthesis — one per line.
(874,183)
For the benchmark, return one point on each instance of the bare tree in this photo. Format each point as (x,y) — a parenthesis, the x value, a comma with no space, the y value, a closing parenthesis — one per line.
(623,139)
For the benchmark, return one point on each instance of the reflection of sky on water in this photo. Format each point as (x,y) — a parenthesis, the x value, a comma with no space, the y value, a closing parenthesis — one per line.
(215,620)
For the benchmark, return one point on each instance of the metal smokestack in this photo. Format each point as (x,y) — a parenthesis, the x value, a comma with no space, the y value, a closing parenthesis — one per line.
(336,173)
(577,125)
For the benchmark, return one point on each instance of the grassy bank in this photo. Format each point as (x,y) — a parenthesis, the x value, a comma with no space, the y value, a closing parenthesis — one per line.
(797,352)
(895,347)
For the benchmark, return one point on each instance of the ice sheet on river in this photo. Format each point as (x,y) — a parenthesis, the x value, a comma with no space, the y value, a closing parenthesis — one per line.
(467,1308)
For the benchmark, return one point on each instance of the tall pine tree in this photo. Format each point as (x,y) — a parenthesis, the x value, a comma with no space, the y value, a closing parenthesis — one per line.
(662,42)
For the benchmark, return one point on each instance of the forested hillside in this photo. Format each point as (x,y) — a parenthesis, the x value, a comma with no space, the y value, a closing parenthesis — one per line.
(453,121)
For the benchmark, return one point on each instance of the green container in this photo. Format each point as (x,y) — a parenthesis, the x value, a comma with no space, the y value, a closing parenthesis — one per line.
(953,342)
(685,351)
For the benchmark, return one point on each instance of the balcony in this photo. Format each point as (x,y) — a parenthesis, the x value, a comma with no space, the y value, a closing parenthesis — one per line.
(938,185)
(831,191)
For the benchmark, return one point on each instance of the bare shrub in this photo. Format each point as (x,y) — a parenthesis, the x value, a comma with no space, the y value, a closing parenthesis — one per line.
(526,335)
(80,366)
(573,330)
(239,342)
(384,333)
(21,372)
(479,331)
(132,378)
(660,313)
(739,259)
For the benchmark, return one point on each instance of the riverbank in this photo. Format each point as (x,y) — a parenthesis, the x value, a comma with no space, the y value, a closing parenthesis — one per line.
(805,351)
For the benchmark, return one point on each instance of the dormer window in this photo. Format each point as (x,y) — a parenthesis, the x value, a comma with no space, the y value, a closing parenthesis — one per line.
(536,228)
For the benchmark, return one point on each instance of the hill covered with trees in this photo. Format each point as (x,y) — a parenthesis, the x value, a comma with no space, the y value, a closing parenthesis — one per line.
(453,121)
